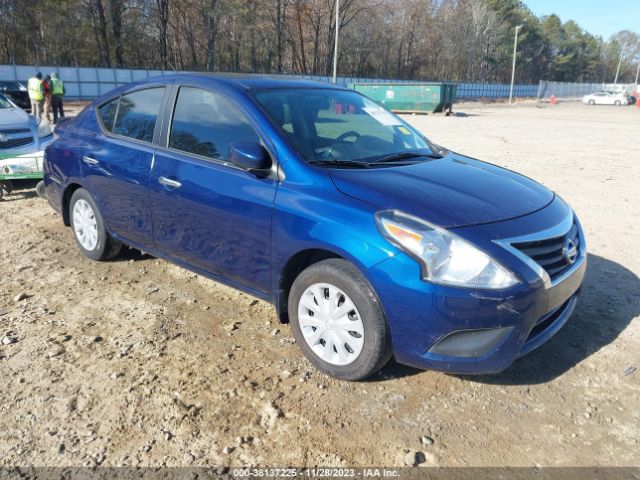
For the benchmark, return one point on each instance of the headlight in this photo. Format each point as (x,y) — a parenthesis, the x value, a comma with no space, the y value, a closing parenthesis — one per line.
(445,258)
(44,130)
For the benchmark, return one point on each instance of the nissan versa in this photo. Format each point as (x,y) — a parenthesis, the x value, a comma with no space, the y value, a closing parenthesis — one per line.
(370,240)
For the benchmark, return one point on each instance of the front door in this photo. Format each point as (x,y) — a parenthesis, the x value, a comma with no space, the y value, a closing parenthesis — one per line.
(207,212)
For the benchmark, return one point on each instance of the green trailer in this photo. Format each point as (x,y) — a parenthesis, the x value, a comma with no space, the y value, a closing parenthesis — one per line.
(22,167)
(411,97)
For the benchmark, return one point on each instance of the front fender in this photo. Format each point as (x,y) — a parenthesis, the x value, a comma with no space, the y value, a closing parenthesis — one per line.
(317,216)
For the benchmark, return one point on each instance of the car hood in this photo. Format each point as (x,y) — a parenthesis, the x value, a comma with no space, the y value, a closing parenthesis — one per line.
(452,191)
(14,117)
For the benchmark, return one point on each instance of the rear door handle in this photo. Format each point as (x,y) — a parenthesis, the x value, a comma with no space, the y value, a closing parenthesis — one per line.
(90,161)
(167,182)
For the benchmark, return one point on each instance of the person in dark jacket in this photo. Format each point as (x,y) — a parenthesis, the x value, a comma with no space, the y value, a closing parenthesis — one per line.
(57,97)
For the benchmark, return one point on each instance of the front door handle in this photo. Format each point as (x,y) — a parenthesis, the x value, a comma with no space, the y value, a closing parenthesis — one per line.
(167,182)
(90,161)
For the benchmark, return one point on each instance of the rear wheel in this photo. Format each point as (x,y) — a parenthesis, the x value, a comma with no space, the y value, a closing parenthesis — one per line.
(617,103)
(92,237)
(337,320)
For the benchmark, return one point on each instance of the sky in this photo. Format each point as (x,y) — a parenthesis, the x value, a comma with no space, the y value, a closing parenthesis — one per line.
(598,17)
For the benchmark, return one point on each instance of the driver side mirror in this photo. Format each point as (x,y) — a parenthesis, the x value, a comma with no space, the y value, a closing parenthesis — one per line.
(251,156)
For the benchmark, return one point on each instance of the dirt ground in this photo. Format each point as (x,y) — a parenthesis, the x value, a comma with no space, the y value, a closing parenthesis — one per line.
(139,362)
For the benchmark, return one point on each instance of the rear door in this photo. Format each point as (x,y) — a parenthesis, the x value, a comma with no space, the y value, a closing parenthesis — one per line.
(117,165)
(206,211)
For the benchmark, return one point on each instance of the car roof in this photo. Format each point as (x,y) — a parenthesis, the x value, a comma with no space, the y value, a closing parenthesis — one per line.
(246,81)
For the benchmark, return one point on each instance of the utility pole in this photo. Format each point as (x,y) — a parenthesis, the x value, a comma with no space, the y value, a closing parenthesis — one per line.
(513,68)
(637,71)
(335,50)
(619,63)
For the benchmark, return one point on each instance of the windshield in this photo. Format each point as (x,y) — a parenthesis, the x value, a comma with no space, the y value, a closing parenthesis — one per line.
(339,125)
(4,103)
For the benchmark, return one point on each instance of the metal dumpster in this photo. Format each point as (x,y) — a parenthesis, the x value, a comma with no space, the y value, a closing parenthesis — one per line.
(410,97)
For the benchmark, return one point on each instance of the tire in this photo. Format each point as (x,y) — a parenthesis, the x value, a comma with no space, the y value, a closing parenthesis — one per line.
(6,187)
(592,102)
(88,228)
(343,282)
(617,103)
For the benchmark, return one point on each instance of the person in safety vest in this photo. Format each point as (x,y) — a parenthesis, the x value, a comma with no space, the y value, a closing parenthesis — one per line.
(36,94)
(46,82)
(57,97)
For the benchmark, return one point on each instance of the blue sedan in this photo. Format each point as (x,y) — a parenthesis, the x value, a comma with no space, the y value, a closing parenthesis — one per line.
(370,240)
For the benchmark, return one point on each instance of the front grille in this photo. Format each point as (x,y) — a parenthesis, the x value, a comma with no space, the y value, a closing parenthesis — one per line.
(16,142)
(11,131)
(548,253)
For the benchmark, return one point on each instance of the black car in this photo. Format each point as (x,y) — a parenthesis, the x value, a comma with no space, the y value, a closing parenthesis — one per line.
(17,93)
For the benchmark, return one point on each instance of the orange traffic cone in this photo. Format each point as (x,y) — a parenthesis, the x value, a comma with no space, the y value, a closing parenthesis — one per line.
(553,100)
(638,103)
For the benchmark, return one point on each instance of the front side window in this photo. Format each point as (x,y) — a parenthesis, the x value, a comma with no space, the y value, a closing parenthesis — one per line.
(137,114)
(206,124)
(331,124)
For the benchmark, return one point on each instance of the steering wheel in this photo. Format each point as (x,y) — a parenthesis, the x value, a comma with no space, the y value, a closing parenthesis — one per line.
(348,134)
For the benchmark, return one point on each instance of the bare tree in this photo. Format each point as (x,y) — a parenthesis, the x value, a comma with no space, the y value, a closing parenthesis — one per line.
(458,40)
(117,8)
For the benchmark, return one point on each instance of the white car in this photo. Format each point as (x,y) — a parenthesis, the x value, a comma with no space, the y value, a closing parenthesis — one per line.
(606,98)
(23,139)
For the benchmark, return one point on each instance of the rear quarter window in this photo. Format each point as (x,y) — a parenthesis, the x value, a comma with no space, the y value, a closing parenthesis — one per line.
(107,113)
(137,114)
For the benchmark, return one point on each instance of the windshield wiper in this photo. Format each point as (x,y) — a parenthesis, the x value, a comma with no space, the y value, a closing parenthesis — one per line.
(405,155)
(340,163)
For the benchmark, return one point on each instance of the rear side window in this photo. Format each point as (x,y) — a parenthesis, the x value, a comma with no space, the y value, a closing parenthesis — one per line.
(206,123)
(107,113)
(137,114)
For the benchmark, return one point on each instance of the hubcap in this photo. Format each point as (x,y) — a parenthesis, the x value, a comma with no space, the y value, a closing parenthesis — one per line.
(331,324)
(85,225)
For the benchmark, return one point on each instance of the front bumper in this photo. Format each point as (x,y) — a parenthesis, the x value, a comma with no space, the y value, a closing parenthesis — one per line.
(471,331)
(24,162)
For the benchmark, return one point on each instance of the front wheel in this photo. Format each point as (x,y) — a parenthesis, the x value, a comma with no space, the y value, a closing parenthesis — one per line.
(92,237)
(337,320)
(592,102)
(617,103)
